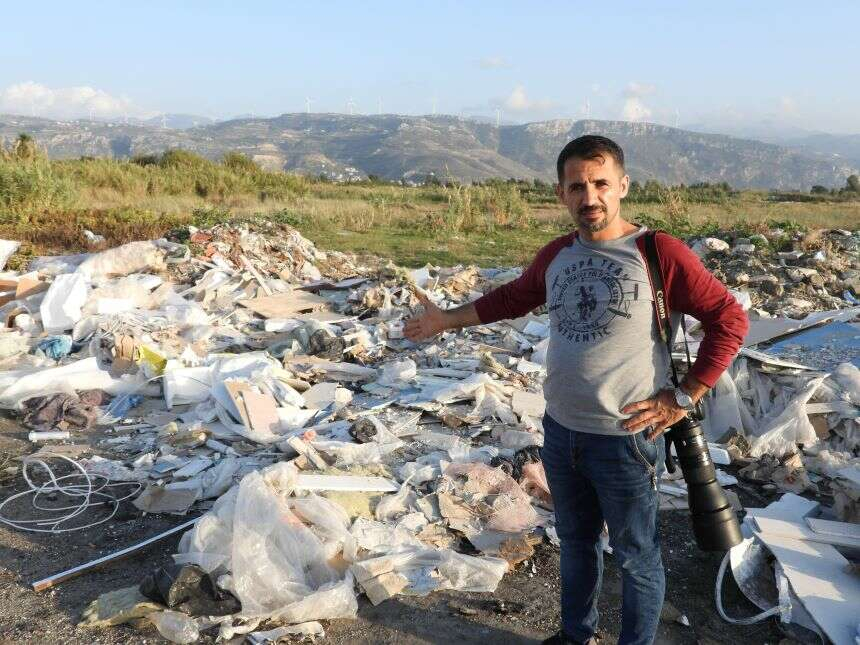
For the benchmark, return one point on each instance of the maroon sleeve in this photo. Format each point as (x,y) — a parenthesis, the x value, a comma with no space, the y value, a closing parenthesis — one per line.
(692,289)
(520,296)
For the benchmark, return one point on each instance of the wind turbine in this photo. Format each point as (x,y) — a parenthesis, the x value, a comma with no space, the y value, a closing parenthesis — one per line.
(498,117)
(587,109)
(379,106)
(677,117)
(308,102)
(350,106)
(163,121)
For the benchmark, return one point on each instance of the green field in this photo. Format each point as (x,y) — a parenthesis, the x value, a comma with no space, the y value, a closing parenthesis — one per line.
(48,204)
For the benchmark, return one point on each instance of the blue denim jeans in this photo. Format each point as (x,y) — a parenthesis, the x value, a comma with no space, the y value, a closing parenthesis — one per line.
(595,478)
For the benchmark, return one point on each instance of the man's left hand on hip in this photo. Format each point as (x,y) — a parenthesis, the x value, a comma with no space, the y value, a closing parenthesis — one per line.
(659,412)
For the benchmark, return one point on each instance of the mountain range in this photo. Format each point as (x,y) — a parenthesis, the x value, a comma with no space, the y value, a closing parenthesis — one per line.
(413,148)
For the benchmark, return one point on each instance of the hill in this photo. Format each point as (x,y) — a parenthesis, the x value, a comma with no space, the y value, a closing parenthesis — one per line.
(415,147)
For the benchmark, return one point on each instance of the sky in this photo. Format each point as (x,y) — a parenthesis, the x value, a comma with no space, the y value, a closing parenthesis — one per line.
(725,65)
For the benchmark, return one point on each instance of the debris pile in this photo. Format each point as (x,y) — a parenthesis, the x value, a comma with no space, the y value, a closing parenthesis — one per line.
(265,388)
(788,273)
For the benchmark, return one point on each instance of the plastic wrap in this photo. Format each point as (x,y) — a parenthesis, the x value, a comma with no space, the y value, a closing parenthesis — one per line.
(781,435)
(175,626)
(491,495)
(278,565)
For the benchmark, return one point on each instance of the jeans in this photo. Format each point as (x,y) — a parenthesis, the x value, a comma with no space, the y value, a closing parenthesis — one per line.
(595,478)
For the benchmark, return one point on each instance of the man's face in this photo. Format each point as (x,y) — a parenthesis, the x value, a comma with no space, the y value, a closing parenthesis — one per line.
(592,190)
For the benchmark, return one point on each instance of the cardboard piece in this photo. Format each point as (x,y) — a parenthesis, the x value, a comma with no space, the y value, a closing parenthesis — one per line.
(384,587)
(262,411)
(7,291)
(235,390)
(158,499)
(285,305)
(124,350)
(28,285)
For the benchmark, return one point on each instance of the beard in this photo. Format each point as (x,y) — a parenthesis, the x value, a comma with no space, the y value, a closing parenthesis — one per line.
(593,226)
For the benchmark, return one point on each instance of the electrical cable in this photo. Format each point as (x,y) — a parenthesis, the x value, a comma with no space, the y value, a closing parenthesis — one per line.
(773,611)
(86,486)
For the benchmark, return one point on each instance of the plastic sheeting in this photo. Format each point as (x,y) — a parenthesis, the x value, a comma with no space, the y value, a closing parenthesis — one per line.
(790,427)
(20,385)
(278,564)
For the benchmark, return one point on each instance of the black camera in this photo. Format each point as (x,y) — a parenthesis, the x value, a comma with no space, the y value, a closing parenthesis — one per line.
(715,524)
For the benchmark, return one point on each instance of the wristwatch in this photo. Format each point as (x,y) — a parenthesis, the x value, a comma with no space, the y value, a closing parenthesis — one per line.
(684,400)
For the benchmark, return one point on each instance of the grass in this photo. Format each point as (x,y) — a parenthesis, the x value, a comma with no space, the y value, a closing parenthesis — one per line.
(48,205)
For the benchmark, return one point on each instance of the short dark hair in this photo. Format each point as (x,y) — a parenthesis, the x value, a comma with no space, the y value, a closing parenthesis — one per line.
(590,146)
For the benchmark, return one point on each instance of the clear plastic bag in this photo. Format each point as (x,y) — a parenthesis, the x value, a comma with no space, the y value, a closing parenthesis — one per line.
(274,559)
(175,626)
(781,434)
(491,495)
(393,506)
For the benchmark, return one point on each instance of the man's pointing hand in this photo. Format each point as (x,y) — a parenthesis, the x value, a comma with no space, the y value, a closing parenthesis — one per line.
(428,324)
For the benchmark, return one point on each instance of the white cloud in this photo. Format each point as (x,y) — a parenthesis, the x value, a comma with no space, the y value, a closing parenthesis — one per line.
(635,110)
(519,101)
(31,98)
(494,62)
(634,107)
(788,106)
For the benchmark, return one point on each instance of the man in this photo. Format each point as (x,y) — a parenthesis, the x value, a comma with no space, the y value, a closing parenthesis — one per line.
(607,399)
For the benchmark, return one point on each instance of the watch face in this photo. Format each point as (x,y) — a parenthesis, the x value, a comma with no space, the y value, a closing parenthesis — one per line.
(683,399)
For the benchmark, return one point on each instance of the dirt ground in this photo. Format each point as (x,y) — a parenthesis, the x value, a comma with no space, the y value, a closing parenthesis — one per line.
(524,608)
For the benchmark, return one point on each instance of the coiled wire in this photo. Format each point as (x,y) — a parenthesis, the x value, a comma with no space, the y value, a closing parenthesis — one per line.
(84,488)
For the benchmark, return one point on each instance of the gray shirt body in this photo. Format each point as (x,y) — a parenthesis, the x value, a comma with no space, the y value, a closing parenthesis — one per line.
(604,351)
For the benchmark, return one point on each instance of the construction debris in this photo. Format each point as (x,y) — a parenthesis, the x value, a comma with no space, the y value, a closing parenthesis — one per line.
(241,373)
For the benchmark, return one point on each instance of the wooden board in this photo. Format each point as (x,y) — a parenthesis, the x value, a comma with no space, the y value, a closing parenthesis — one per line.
(284,305)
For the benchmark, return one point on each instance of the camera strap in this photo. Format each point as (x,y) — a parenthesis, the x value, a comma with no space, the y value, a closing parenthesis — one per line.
(661,308)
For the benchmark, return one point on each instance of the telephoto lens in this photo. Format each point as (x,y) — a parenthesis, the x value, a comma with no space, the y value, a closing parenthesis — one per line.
(715,524)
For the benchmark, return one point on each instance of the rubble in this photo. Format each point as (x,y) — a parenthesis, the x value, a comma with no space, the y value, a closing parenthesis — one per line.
(241,376)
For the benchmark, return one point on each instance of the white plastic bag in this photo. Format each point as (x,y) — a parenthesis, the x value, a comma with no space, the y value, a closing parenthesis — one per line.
(782,434)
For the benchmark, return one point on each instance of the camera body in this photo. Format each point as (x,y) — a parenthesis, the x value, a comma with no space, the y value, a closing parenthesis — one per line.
(715,524)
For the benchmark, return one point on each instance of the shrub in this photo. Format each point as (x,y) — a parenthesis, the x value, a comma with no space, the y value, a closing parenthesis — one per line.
(32,186)
(239,162)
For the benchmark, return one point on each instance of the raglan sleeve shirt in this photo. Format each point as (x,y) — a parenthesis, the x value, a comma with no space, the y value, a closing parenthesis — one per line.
(520,296)
(692,289)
